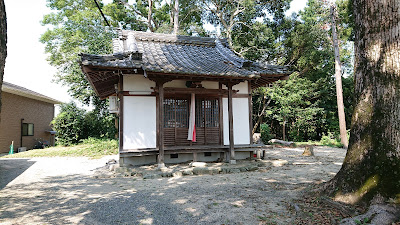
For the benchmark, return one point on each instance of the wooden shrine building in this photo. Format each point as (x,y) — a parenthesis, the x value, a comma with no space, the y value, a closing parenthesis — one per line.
(179,98)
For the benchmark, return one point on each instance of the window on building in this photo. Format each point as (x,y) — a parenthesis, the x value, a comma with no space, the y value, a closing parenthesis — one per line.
(27,129)
(176,113)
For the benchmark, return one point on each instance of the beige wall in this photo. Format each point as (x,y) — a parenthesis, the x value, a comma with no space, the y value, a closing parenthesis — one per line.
(14,108)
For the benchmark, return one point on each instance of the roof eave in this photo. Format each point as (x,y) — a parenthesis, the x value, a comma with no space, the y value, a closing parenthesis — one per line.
(28,95)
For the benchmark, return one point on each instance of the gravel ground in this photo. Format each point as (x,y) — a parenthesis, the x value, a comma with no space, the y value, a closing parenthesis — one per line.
(65,191)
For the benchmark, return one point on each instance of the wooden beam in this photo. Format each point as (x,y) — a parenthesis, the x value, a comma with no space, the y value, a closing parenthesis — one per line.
(230,117)
(129,93)
(169,90)
(221,78)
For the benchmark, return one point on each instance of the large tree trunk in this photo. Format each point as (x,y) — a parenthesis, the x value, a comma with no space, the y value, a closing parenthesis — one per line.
(3,42)
(372,163)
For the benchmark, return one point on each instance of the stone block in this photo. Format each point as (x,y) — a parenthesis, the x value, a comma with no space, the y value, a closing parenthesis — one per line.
(198,164)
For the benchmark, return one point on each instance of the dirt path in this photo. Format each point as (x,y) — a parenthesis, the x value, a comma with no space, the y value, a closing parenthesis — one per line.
(64,190)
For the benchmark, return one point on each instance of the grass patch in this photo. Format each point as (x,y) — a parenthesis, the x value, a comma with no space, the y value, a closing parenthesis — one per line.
(332,143)
(93,148)
(331,140)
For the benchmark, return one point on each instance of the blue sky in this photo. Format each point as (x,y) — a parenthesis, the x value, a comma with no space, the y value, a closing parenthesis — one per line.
(26,63)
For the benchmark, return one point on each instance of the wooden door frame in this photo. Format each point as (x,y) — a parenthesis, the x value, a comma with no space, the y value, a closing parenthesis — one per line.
(218,98)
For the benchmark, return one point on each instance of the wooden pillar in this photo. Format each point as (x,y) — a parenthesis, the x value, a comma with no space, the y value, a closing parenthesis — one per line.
(121,118)
(194,156)
(230,117)
(160,107)
(250,112)
(221,123)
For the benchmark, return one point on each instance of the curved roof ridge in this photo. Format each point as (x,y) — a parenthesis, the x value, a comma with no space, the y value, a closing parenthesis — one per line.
(171,38)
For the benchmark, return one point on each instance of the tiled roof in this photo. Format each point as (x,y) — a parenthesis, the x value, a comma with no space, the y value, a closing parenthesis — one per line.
(175,54)
(21,91)
(166,54)
(126,60)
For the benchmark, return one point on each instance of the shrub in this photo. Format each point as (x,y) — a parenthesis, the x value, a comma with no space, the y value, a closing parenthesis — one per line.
(99,125)
(69,124)
(331,140)
(73,125)
(266,135)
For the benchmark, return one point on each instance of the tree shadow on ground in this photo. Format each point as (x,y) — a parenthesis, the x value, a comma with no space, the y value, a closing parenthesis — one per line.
(12,168)
(77,199)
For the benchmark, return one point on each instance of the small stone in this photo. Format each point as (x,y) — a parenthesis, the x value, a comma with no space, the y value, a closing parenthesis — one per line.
(234,170)
(113,167)
(166,174)
(214,170)
(160,166)
(120,170)
(111,161)
(225,170)
(242,169)
(177,174)
(151,176)
(200,170)
(163,169)
(308,151)
(198,164)
(127,174)
(187,172)
(252,168)
(279,162)
(257,138)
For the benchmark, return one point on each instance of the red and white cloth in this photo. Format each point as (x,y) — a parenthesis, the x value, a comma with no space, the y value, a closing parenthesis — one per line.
(192,120)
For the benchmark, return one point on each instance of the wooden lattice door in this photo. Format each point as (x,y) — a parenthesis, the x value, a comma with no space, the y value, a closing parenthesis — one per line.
(176,121)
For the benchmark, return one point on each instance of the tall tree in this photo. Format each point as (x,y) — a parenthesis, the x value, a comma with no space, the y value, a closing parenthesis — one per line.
(3,42)
(304,42)
(233,15)
(372,163)
(338,76)
(176,16)
(77,28)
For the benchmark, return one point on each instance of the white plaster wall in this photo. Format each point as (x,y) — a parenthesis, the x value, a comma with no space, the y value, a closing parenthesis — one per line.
(242,87)
(210,84)
(176,84)
(138,84)
(139,122)
(241,129)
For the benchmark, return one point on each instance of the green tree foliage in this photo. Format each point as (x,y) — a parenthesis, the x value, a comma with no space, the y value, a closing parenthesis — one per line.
(75,27)
(295,105)
(239,20)
(303,41)
(74,124)
(266,134)
(69,124)
(256,30)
